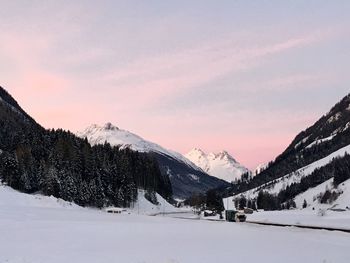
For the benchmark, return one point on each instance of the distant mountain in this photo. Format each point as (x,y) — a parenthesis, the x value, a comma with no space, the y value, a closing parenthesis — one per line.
(221,165)
(109,133)
(186,178)
(317,155)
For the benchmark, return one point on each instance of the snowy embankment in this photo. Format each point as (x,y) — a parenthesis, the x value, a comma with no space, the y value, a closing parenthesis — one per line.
(310,196)
(12,199)
(37,229)
(145,207)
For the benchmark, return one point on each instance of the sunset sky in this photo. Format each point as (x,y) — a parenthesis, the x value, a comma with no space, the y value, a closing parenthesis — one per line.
(244,76)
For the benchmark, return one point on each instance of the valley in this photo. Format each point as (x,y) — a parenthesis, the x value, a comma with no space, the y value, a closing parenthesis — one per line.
(50,230)
(174,131)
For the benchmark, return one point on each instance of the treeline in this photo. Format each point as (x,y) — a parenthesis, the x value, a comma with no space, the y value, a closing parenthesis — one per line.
(339,168)
(211,200)
(56,162)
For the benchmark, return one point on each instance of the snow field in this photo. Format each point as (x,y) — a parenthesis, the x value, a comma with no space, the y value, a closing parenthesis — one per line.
(37,229)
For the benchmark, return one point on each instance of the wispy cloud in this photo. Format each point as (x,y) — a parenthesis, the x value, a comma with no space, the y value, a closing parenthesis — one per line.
(173,73)
(70,64)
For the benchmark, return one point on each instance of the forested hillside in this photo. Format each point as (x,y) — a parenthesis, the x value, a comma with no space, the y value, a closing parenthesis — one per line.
(58,163)
(327,135)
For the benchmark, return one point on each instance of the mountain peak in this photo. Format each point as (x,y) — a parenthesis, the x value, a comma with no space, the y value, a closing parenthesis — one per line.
(125,139)
(93,128)
(185,177)
(110,126)
(225,155)
(221,165)
(196,151)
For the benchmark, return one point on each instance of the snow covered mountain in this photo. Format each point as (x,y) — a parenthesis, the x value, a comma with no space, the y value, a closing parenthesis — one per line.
(186,178)
(314,167)
(113,135)
(221,165)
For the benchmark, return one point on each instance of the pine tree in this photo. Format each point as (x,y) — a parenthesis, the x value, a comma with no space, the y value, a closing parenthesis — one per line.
(304,204)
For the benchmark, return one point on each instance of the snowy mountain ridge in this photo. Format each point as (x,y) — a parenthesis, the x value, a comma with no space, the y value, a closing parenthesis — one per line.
(117,137)
(186,178)
(221,165)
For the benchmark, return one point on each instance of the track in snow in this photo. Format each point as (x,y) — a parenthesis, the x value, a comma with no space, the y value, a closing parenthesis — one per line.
(300,226)
(177,215)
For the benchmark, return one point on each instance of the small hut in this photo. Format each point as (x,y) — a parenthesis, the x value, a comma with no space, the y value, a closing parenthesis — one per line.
(115,210)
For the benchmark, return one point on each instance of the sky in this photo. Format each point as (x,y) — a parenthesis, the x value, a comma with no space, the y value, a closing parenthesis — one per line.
(241,76)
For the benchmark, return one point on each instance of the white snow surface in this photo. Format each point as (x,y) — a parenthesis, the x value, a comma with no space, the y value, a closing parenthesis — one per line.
(310,196)
(334,117)
(301,142)
(307,217)
(117,137)
(38,229)
(319,141)
(221,165)
(143,206)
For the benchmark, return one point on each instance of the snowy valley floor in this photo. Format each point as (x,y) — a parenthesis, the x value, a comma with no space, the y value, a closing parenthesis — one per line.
(35,229)
(305,217)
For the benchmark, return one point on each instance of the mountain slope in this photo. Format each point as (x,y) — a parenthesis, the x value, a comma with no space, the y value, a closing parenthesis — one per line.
(186,178)
(58,163)
(221,165)
(125,139)
(260,168)
(277,185)
(10,103)
(316,155)
(311,196)
(329,134)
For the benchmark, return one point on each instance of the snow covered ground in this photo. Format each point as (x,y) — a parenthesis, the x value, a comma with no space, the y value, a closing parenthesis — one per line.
(307,217)
(310,196)
(144,207)
(36,229)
